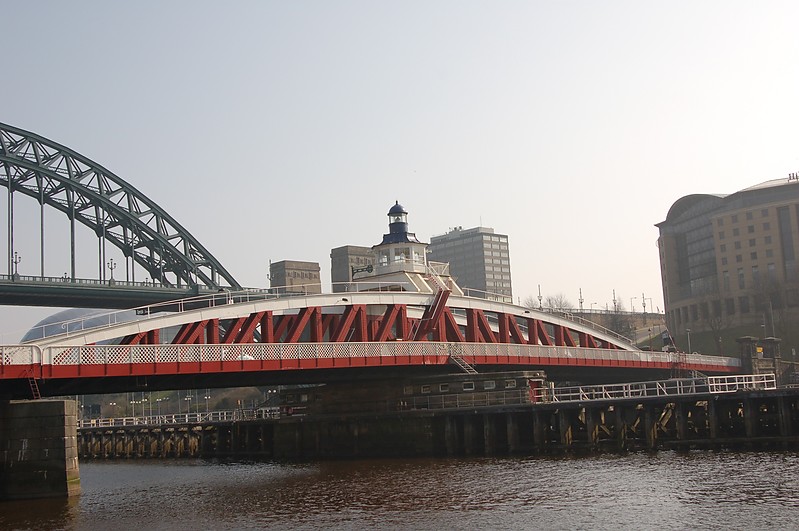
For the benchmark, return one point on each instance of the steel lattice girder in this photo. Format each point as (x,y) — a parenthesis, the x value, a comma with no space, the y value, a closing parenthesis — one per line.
(311,324)
(86,192)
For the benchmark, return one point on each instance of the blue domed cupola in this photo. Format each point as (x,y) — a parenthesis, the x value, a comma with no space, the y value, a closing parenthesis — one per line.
(398,226)
(397,219)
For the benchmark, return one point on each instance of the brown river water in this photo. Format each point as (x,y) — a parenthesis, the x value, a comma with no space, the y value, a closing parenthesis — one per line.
(665,490)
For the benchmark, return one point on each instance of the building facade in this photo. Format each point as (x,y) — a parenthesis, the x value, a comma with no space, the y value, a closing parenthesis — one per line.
(730,261)
(346,259)
(479,260)
(295,276)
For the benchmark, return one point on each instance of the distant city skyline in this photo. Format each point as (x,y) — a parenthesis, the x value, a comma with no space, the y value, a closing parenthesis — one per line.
(278,131)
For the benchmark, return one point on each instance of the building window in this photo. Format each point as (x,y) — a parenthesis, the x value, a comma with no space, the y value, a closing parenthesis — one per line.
(719,222)
(736,232)
(510,384)
(694,313)
(766,226)
(723,260)
(768,240)
(739,258)
(753,255)
(743,304)
(407,390)
(741,281)
(425,389)
(443,388)
(751,242)
(725,276)
(769,253)
(716,308)
(729,306)
(737,245)
(755,276)
(489,384)
(468,386)
(764,213)
(772,272)
(721,235)
(750,229)
(748,215)
(723,247)
(735,218)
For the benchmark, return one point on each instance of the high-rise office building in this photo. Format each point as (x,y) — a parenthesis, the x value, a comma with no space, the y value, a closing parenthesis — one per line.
(730,261)
(479,260)
(295,276)
(345,259)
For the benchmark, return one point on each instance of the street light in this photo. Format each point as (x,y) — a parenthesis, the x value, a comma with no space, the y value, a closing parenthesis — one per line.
(16,260)
(688,331)
(112,266)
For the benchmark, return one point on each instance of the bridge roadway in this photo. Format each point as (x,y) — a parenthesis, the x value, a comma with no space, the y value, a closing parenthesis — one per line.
(25,290)
(256,338)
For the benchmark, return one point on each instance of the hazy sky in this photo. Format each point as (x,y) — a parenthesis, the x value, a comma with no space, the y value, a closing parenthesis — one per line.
(279,130)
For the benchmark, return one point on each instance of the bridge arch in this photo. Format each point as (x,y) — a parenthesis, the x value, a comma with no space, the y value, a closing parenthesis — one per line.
(88,193)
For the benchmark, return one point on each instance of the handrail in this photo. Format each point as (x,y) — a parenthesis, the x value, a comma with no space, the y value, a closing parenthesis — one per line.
(672,387)
(182,418)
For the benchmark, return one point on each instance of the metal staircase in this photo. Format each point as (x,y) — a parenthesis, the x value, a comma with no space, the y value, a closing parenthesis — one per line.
(460,362)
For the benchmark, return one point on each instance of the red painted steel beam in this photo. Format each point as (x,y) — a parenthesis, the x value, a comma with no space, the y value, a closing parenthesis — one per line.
(477,328)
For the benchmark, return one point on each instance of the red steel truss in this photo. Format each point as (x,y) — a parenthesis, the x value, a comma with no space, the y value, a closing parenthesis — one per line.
(361,323)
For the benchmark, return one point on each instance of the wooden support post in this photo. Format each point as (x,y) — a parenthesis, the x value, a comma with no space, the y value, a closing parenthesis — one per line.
(489,435)
(750,417)
(565,427)
(784,411)
(650,427)
(680,421)
(539,430)
(592,427)
(713,418)
(620,427)
(512,426)
(451,435)
(468,435)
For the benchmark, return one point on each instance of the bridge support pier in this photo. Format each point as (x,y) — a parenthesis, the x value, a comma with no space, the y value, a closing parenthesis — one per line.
(38,449)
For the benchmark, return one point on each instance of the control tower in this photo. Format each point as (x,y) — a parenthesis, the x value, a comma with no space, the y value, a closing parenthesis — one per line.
(401,262)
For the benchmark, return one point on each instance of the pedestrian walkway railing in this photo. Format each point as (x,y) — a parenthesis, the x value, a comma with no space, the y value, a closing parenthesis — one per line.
(661,388)
(182,418)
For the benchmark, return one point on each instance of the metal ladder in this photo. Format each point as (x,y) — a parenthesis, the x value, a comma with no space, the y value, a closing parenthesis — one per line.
(34,385)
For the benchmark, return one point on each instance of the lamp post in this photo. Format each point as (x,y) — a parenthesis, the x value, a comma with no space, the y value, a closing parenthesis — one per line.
(17,259)
(688,331)
(112,266)
(207,398)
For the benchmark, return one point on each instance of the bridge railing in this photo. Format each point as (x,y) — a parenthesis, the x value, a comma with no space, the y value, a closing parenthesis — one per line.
(261,356)
(672,387)
(207,300)
(182,418)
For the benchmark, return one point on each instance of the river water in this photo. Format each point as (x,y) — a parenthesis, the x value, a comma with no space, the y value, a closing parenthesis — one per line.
(664,490)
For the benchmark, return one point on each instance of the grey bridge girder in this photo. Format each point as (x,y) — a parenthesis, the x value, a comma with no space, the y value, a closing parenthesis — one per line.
(85,191)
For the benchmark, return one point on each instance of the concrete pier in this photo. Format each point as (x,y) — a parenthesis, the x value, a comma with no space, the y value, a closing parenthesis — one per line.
(38,449)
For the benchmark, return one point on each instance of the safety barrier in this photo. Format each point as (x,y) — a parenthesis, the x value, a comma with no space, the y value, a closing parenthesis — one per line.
(672,387)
